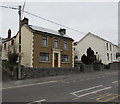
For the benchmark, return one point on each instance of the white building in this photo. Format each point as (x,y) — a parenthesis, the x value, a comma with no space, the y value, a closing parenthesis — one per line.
(103,49)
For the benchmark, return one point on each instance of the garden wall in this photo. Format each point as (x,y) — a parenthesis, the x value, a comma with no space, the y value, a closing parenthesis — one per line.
(43,72)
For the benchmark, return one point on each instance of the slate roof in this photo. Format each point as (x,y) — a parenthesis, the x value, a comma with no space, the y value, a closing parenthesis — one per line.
(48,31)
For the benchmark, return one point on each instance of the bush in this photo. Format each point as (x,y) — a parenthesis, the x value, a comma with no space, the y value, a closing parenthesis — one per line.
(90,58)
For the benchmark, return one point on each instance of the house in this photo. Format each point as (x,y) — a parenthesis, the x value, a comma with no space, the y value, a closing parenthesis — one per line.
(41,47)
(103,49)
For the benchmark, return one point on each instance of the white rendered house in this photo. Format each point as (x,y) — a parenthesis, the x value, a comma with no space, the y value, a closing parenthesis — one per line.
(103,49)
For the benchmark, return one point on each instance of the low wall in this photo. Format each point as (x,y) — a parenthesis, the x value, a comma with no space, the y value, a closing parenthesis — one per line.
(115,66)
(42,72)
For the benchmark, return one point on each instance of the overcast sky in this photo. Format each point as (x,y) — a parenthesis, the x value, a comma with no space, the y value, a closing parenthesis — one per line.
(99,18)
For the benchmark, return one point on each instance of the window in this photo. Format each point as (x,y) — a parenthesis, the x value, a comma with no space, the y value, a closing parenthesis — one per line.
(65,44)
(55,43)
(12,42)
(107,45)
(44,56)
(108,56)
(110,47)
(111,57)
(44,41)
(5,46)
(64,58)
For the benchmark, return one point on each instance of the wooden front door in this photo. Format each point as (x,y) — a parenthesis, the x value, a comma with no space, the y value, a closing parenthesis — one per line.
(55,59)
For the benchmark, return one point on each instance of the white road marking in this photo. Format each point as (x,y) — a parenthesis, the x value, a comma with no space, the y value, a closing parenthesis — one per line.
(115,82)
(38,101)
(86,89)
(93,92)
(29,85)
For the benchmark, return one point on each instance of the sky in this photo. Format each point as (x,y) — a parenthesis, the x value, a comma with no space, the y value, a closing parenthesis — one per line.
(99,18)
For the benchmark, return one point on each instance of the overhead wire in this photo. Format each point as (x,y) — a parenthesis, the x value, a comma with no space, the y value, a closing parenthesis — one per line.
(53,22)
(42,18)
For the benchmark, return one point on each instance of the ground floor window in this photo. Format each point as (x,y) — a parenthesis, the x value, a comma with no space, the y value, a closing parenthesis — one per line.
(64,58)
(44,56)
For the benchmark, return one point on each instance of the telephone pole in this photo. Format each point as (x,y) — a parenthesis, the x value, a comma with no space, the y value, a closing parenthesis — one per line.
(19,58)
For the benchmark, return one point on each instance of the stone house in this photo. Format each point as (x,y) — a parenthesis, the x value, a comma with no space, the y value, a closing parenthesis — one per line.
(41,47)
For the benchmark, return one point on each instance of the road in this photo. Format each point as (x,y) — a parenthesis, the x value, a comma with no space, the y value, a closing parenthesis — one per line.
(90,87)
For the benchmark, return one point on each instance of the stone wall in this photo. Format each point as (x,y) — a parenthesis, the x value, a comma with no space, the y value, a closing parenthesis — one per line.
(43,72)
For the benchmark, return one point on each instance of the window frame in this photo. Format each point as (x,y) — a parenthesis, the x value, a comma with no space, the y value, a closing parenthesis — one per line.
(64,56)
(55,41)
(43,60)
(44,39)
(108,57)
(65,45)
(107,46)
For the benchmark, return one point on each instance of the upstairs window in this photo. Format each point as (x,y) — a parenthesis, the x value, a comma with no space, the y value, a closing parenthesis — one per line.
(44,41)
(107,45)
(110,47)
(12,42)
(55,43)
(65,44)
(5,46)
(44,56)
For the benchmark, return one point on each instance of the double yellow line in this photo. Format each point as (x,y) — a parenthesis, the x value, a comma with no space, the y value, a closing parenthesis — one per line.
(104,97)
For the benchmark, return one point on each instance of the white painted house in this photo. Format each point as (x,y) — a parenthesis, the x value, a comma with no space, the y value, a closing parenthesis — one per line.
(103,49)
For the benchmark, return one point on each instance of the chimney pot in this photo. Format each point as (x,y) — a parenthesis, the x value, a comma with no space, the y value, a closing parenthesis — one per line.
(62,31)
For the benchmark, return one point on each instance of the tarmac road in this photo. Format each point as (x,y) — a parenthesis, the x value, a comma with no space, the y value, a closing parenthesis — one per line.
(89,87)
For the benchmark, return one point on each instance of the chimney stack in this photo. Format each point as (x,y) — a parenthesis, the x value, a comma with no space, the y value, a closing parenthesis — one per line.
(62,31)
(24,21)
(9,33)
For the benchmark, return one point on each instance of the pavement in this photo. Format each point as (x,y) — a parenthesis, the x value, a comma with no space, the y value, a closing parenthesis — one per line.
(8,82)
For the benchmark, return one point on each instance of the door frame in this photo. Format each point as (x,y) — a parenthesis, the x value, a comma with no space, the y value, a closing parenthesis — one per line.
(59,57)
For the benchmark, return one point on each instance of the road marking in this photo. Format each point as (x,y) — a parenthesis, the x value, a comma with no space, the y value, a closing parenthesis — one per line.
(30,85)
(116,81)
(100,96)
(79,96)
(94,92)
(38,101)
(113,96)
(86,89)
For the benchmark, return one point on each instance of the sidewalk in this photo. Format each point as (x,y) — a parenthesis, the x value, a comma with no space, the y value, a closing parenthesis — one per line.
(13,83)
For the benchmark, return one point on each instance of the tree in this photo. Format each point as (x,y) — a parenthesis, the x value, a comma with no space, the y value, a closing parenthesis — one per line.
(12,54)
(90,58)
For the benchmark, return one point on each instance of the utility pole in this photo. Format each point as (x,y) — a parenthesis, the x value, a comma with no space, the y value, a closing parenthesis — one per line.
(19,58)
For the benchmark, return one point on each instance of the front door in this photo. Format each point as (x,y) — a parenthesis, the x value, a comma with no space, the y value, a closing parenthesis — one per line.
(55,59)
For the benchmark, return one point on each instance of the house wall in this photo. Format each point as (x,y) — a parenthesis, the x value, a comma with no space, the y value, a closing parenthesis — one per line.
(97,45)
(26,47)
(4,51)
(50,49)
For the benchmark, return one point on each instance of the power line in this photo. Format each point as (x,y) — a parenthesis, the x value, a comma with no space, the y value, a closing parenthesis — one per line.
(54,22)
(9,7)
(44,19)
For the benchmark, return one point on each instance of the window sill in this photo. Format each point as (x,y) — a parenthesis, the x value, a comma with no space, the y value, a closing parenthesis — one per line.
(65,49)
(65,62)
(44,61)
(44,46)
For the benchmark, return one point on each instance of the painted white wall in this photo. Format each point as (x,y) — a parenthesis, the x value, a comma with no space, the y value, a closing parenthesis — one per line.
(26,47)
(97,44)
